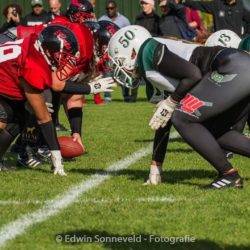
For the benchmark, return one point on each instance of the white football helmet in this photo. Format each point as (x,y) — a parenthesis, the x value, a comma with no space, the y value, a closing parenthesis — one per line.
(224,38)
(123,51)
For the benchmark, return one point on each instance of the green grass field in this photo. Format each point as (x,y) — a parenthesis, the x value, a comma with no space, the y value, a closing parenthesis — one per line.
(120,206)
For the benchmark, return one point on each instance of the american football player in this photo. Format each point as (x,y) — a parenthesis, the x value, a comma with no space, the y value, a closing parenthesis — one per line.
(29,66)
(195,77)
(73,103)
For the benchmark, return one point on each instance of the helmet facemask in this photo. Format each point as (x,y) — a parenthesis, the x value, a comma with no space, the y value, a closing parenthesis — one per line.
(125,70)
(66,65)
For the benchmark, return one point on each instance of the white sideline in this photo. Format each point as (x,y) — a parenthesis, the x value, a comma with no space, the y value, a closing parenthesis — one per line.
(13,229)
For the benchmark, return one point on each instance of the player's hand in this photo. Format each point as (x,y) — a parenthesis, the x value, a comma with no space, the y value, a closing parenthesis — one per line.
(100,85)
(163,113)
(77,138)
(57,162)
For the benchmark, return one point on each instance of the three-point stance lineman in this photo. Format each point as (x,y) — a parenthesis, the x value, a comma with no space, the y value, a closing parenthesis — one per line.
(211,96)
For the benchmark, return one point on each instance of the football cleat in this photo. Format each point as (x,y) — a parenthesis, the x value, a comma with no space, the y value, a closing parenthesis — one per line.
(98,100)
(26,160)
(44,152)
(153,179)
(226,181)
(60,128)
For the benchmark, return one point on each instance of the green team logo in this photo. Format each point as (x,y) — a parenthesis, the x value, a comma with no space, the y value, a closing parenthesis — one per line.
(220,78)
(217,77)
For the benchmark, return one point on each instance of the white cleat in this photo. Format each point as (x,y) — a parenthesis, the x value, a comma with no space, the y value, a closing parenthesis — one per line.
(154,179)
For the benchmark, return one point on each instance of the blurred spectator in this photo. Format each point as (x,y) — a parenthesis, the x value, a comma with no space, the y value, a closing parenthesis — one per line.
(13,15)
(148,18)
(55,8)
(195,21)
(92,2)
(168,25)
(113,15)
(227,14)
(38,14)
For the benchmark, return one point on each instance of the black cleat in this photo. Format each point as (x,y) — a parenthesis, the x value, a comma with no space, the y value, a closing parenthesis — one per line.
(226,181)
(29,158)
(29,161)
(61,128)
(44,153)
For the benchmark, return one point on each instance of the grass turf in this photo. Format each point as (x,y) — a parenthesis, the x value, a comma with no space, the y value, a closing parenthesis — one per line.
(122,206)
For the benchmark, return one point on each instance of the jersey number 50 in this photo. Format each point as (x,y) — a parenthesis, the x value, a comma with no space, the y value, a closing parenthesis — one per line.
(125,40)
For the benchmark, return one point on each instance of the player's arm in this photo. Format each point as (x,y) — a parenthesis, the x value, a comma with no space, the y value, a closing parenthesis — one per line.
(74,104)
(37,103)
(98,85)
(189,75)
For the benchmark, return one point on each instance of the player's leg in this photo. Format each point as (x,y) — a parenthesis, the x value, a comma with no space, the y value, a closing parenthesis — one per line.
(9,129)
(205,102)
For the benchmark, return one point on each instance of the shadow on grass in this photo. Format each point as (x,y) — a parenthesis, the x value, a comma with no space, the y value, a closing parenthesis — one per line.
(152,139)
(140,241)
(139,99)
(169,176)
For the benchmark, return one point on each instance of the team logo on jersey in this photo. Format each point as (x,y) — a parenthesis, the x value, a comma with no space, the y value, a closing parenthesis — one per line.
(191,105)
(220,78)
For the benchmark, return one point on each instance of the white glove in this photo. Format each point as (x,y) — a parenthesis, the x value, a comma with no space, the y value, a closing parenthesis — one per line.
(163,113)
(57,162)
(102,85)
(49,107)
(154,175)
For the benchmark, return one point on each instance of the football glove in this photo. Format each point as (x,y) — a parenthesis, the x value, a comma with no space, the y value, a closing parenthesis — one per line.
(100,85)
(163,113)
(154,177)
(57,163)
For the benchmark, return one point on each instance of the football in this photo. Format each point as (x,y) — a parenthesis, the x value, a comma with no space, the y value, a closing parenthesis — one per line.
(70,148)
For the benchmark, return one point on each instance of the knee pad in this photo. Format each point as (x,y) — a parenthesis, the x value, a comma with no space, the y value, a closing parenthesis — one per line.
(6,112)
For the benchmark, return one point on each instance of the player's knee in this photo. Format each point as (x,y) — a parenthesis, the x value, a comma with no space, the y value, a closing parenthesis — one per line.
(6,114)
(178,120)
(197,76)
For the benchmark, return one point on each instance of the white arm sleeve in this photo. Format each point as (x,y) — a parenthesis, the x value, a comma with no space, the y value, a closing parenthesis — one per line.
(163,83)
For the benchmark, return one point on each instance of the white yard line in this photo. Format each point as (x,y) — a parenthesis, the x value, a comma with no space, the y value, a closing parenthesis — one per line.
(161,199)
(13,229)
(52,207)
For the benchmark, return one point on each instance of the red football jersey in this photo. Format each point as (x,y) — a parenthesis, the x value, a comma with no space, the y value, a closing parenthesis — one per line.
(20,59)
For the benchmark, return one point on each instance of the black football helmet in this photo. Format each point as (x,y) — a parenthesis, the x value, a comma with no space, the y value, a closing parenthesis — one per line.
(80,11)
(106,31)
(102,31)
(60,48)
